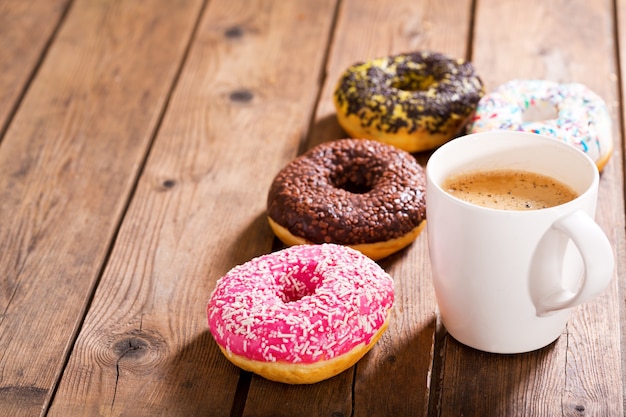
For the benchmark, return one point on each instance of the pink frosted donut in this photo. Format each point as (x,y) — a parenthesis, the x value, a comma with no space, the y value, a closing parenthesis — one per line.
(302,314)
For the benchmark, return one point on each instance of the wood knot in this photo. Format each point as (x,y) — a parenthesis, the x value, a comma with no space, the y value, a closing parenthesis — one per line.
(242,95)
(138,347)
(168,183)
(26,396)
(580,408)
(165,185)
(233,32)
(131,347)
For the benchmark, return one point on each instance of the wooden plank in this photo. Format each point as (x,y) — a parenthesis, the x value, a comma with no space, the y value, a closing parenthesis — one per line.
(241,107)
(579,374)
(393,379)
(67,165)
(25,30)
(618,229)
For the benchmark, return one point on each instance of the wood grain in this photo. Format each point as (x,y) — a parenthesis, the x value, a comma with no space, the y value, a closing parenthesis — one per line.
(26,28)
(139,141)
(240,109)
(68,163)
(544,41)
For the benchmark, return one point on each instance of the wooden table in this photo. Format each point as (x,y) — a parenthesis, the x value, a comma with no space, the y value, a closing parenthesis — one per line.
(138,140)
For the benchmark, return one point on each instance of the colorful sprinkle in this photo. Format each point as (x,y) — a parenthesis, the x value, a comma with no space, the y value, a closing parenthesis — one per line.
(300,305)
(570,112)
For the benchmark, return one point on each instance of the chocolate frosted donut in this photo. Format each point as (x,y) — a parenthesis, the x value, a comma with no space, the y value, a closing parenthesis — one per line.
(414,101)
(355,192)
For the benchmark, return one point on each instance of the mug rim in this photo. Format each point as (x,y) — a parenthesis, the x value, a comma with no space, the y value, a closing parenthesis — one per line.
(496,135)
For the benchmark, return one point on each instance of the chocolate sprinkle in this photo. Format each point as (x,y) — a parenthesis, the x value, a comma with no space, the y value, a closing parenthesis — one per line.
(419,91)
(349,191)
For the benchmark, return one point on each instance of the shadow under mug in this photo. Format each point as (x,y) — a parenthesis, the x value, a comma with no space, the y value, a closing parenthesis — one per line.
(505,280)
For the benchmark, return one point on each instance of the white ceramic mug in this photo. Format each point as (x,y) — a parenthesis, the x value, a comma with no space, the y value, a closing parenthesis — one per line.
(505,280)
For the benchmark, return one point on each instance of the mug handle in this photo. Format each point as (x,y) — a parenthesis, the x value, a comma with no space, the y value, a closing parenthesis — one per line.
(546,280)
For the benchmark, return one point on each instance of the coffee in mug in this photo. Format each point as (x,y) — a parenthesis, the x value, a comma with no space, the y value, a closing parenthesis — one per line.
(507,189)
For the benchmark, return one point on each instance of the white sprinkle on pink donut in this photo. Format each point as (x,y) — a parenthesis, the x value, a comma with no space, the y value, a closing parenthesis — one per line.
(570,112)
(302,304)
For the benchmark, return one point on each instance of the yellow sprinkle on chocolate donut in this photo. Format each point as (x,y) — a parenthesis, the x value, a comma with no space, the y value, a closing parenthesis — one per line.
(414,101)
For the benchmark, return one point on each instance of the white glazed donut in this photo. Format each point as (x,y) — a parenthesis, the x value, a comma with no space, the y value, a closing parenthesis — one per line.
(302,314)
(570,112)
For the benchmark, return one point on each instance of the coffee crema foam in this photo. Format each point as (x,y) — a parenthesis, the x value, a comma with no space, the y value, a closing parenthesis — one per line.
(508,189)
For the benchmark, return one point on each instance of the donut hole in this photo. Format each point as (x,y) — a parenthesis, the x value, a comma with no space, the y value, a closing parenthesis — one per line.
(355,186)
(539,111)
(355,175)
(354,179)
(294,285)
(413,82)
(292,294)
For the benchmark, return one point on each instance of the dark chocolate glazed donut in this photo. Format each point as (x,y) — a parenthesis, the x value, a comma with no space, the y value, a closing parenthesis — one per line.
(349,191)
(414,101)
